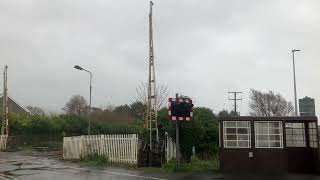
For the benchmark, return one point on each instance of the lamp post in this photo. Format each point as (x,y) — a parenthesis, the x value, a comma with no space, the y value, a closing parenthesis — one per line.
(294,81)
(82,69)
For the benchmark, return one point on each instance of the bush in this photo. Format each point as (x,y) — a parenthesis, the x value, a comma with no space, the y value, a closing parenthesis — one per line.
(65,125)
(201,133)
(196,165)
(95,160)
(171,167)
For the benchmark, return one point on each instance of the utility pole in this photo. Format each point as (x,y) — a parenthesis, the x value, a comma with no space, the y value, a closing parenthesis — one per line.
(5,120)
(294,83)
(177,139)
(152,99)
(235,99)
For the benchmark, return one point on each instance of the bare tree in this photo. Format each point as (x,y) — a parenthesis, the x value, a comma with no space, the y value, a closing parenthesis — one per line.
(109,107)
(77,105)
(269,104)
(34,110)
(161,94)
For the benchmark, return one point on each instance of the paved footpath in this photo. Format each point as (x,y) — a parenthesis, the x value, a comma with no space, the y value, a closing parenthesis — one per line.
(18,165)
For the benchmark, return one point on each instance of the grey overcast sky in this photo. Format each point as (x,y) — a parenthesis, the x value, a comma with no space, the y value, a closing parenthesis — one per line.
(203,49)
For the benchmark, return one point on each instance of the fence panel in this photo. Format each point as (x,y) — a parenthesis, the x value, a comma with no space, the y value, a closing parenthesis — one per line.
(121,148)
(3,142)
(170,149)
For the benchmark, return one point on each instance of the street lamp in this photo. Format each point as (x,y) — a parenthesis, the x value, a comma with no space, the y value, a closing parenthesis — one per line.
(294,81)
(82,69)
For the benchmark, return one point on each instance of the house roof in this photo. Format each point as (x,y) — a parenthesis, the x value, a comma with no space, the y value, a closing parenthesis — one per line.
(24,108)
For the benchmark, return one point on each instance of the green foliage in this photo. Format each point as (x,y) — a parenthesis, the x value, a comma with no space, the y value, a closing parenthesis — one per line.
(137,109)
(201,133)
(95,160)
(186,140)
(204,165)
(205,130)
(109,128)
(226,113)
(196,165)
(65,125)
(98,160)
(171,167)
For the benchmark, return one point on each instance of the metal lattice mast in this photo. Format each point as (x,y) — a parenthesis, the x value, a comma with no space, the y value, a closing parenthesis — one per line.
(4,127)
(152,99)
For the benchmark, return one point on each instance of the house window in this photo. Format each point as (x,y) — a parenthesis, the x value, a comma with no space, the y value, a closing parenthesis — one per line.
(295,135)
(268,134)
(236,134)
(313,140)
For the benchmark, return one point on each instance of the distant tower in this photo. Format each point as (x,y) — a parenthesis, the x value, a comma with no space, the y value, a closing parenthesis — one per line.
(307,106)
(4,127)
(152,99)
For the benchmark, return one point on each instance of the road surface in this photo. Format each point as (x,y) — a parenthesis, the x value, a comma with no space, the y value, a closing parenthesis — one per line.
(37,166)
(41,166)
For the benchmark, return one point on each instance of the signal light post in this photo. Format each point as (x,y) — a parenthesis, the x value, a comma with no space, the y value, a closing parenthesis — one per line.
(180,109)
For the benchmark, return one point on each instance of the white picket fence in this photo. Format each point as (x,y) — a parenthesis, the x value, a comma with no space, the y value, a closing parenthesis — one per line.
(3,142)
(120,148)
(170,149)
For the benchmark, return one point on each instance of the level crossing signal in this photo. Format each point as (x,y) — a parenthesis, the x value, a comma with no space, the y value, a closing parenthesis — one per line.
(180,109)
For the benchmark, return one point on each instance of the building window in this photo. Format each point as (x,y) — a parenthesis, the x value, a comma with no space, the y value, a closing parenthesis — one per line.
(295,135)
(313,140)
(236,134)
(268,134)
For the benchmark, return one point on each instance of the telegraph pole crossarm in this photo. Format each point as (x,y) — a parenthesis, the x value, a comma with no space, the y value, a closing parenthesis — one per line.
(235,99)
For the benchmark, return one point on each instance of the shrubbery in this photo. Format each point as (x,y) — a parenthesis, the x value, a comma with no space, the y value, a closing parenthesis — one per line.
(196,165)
(202,133)
(65,125)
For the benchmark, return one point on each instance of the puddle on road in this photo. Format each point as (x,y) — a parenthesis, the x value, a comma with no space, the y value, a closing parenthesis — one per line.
(8,167)
(34,166)
(25,172)
(15,169)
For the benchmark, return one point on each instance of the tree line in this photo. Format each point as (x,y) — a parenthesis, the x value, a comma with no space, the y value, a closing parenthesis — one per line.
(261,104)
(201,133)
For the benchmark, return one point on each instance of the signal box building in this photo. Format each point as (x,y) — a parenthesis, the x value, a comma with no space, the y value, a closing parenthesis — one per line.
(268,144)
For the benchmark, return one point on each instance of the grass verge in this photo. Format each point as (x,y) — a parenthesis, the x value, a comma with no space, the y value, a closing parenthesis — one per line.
(103,161)
(196,165)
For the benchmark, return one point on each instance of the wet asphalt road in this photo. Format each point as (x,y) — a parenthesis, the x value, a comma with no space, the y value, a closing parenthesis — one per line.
(38,166)
(43,167)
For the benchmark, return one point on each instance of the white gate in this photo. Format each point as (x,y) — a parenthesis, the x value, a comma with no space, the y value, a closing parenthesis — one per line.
(120,148)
